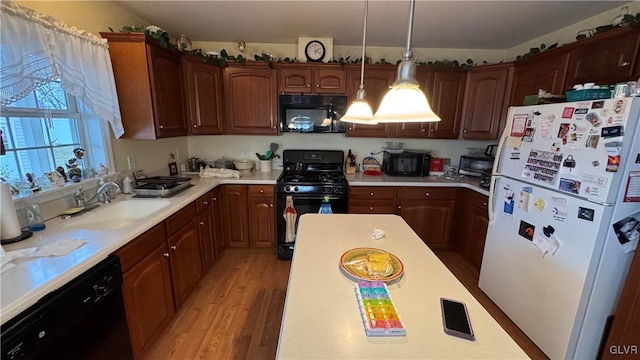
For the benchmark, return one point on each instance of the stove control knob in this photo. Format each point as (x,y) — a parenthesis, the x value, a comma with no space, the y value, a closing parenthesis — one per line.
(287,188)
(337,190)
(295,189)
(327,189)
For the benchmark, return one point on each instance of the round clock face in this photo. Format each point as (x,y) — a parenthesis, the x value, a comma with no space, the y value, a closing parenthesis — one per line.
(314,51)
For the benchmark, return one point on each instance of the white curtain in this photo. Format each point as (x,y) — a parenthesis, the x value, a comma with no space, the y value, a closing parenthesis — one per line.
(36,49)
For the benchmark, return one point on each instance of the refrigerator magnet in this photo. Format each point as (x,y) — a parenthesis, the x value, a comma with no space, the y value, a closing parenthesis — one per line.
(612,131)
(539,204)
(569,185)
(526,230)
(508,202)
(523,201)
(627,231)
(619,106)
(581,111)
(593,119)
(518,124)
(597,104)
(592,141)
(585,213)
(632,191)
(567,112)
(559,209)
(528,134)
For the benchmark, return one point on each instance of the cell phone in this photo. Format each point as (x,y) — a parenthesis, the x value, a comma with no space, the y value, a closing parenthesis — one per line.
(455,319)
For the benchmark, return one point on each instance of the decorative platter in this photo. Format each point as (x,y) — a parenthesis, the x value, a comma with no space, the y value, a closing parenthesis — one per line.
(354,263)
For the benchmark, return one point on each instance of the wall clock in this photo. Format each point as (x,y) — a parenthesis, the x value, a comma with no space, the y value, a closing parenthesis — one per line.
(315,51)
(310,49)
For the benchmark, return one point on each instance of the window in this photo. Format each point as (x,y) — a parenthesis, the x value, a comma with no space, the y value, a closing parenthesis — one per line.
(41,131)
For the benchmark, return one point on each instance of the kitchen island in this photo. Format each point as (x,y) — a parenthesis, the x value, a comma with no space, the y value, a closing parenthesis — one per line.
(321,319)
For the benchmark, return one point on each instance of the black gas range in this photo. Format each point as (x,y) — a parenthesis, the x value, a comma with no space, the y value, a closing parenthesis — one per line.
(308,177)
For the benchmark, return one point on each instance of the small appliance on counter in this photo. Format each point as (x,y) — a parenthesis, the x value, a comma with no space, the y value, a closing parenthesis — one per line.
(485,179)
(406,162)
(477,162)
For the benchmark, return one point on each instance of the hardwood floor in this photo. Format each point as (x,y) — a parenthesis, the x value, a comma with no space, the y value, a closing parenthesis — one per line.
(235,312)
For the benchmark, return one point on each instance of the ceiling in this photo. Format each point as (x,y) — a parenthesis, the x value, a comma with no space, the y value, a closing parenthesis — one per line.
(437,24)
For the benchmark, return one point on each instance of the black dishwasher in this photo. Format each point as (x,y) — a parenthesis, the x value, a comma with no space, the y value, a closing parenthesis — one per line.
(85,319)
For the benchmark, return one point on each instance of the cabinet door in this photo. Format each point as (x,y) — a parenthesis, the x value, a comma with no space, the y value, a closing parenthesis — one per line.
(251,100)
(330,81)
(295,80)
(148,299)
(262,220)
(372,200)
(377,80)
(203,94)
(235,222)
(477,224)
(186,265)
(217,222)
(448,92)
(166,85)
(546,71)
(205,235)
(429,212)
(486,101)
(605,59)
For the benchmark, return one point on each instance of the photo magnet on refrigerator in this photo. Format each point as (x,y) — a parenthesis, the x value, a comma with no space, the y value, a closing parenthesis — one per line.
(627,231)
(526,230)
(585,213)
(509,202)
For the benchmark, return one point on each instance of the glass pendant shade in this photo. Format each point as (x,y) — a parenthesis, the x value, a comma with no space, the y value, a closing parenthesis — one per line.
(405,102)
(359,112)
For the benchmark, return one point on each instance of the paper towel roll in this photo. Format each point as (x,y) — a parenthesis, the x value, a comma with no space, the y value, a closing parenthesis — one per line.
(9,224)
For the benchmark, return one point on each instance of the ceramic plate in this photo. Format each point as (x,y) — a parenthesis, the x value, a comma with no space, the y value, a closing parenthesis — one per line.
(350,261)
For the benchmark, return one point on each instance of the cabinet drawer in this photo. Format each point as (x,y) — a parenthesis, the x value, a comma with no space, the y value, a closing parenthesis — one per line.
(371,207)
(176,221)
(203,203)
(417,193)
(372,192)
(138,248)
(261,190)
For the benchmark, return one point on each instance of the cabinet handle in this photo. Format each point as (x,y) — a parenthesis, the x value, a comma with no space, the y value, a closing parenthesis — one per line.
(165,255)
(625,63)
(464,131)
(370,208)
(201,222)
(423,129)
(174,247)
(195,126)
(484,204)
(215,199)
(161,126)
(261,191)
(317,86)
(432,130)
(308,85)
(427,194)
(371,194)
(399,206)
(205,203)
(270,205)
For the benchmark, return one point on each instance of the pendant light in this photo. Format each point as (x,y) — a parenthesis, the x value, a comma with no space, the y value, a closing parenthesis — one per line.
(405,102)
(360,112)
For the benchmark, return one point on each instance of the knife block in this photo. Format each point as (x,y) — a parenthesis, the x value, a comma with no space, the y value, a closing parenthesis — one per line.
(349,166)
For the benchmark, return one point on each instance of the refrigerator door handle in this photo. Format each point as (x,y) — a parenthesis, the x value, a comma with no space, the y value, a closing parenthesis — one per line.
(501,144)
(492,198)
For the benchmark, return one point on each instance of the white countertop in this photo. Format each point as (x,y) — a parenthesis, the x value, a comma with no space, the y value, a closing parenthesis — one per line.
(321,318)
(32,279)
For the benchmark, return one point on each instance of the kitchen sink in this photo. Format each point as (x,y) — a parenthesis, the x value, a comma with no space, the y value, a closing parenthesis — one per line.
(117,215)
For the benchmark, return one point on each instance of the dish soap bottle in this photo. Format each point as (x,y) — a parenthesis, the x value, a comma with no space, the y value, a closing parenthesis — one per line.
(325,206)
(127,185)
(32,212)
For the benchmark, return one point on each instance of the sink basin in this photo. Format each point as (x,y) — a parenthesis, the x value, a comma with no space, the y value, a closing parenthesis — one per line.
(117,215)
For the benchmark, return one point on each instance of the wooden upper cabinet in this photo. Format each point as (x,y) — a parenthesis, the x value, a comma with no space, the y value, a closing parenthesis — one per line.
(445,97)
(486,101)
(377,80)
(305,79)
(203,90)
(546,71)
(606,58)
(251,93)
(149,85)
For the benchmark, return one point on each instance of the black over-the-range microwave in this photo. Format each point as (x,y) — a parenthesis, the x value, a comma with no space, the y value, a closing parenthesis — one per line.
(312,113)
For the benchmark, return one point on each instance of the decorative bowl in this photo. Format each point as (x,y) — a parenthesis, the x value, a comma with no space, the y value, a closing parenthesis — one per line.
(244,166)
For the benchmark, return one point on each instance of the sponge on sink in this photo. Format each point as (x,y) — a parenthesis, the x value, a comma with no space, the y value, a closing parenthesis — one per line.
(71,211)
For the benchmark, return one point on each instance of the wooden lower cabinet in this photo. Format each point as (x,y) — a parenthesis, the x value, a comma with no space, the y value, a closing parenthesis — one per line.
(235,222)
(372,200)
(186,266)
(469,239)
(148,295)
(429,212)
(206,231)
(262,216)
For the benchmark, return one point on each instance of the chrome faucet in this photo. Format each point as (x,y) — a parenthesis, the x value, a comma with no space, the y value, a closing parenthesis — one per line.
(103,194)
(79,197)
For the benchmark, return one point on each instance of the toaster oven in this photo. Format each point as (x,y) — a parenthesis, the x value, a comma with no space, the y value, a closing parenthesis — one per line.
(475,165)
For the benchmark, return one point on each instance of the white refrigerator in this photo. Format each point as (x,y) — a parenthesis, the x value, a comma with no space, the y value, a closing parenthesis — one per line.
(564,220)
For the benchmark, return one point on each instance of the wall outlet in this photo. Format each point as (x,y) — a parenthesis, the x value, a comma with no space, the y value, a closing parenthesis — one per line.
(177,154)
(245,152)
(131,162)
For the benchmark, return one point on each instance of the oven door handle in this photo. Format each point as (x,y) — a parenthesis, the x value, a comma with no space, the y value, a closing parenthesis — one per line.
(313,197)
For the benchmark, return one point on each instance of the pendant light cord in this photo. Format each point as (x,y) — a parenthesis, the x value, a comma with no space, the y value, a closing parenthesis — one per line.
(408,54)
(364,39)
